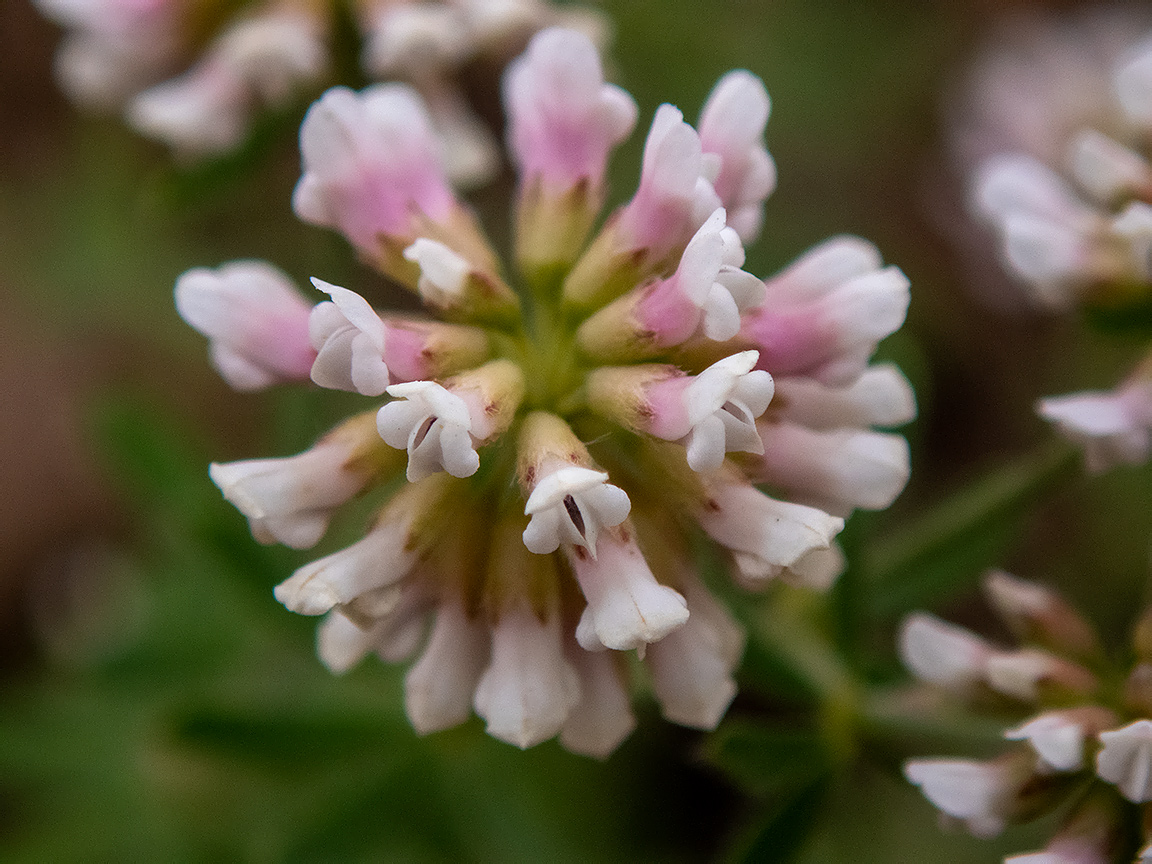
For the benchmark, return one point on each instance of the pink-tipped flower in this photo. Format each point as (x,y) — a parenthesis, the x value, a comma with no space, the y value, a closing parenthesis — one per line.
(1133,83)
(707,295)
(255,318)
(837,469)
(113,47)
(564,120)
(711,414)
(1114,428)
(627,607)
(674,199)
(675,195)
(732,127)
(824,315)
(371,166)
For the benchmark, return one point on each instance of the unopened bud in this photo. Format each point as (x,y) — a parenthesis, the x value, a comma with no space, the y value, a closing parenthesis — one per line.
(1039,615)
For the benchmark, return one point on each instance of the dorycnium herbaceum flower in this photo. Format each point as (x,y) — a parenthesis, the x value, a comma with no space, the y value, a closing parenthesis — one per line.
(1082,724)
(195,74)
(1056,135)
(558,426)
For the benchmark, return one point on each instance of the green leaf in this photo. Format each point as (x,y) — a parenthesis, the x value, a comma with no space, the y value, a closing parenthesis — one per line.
(945,550)
(780,835)
(768,760)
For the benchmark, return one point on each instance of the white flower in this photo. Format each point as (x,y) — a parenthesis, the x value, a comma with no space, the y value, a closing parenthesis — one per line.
(1059,737)
(433,424)
(529,688)
(881,396)
(722,404)
(291,500)
(202,111)
(976,792)
(1105,168)
(692,666)
(764,535)
(383,557)
(1113,427)
(571,505)
(603,717)
(942,653)
(627,607)
(1134,228)
(438,688)
(836,469)
(443,273)
(1126,760)
(1022,673)
(414,40)
(709,275)
(1133,82)
(348,336)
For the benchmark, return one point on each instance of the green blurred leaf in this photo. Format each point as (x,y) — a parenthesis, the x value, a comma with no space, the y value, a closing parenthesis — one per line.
(766,759)
(780,835)
(945,550)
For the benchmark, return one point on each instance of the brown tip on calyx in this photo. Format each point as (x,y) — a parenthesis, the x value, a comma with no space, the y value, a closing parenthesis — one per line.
(580,552)
(712,505)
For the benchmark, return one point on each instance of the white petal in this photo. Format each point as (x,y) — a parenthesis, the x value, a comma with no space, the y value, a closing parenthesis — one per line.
(1126,760)
(438,688)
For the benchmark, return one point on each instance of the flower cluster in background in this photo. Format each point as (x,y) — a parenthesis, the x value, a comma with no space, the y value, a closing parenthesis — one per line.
(1057,131)
(1083,721)
(558,431)
(195,73)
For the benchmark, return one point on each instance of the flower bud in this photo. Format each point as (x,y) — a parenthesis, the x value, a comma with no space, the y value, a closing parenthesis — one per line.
(731,126)
(255,318)
(1038,614)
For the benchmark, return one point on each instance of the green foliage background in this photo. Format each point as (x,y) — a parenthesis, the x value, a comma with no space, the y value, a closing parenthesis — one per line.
(158,705)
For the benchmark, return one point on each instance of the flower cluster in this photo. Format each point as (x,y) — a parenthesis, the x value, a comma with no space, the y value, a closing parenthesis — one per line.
(1085,730)
(555,445)
(1061,139)
(232,59)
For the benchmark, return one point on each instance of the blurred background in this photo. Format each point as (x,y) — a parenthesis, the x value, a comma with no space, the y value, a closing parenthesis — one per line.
(156,703)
